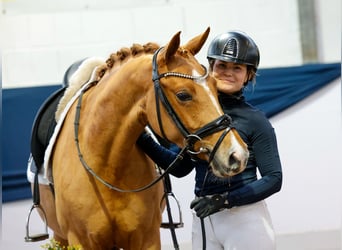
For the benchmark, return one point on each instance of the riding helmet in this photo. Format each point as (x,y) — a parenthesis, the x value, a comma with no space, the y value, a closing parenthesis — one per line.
(234,46)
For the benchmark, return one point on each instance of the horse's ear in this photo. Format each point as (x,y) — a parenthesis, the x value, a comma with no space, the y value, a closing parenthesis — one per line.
(172,46)
(196,43)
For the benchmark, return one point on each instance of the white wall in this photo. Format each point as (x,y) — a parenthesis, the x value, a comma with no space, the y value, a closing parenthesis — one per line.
(41,38)
(310,138)
(329,29)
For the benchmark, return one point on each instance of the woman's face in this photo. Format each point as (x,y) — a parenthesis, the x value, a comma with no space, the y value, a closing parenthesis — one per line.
(230,76)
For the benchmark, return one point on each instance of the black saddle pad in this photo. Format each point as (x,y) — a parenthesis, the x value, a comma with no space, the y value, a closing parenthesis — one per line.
(43,126)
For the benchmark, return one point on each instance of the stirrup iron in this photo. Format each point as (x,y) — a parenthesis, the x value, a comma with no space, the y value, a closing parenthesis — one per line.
(36,205)
(36,237)
(179,224)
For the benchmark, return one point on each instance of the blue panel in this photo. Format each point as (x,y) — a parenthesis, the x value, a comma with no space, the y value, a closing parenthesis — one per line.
(278,88)
(19,107)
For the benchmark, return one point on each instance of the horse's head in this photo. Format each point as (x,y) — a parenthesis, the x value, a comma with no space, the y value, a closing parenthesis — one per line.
(187,109)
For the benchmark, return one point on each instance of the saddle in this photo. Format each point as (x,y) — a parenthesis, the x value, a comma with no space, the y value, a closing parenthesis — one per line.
(43,127)
(44,122)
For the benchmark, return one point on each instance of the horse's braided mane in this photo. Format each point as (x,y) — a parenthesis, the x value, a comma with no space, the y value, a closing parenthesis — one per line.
(122,55)
(114,60)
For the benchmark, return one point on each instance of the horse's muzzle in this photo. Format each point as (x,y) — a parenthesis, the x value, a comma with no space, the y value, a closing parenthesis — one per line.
(227,164)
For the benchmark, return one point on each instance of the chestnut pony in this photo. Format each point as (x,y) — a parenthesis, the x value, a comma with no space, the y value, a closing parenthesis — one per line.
(98,170)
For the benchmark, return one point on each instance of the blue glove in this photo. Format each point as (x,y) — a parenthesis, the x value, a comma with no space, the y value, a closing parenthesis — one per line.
(208,205)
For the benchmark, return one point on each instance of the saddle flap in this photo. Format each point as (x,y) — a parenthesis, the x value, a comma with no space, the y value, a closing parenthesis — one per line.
(43,126)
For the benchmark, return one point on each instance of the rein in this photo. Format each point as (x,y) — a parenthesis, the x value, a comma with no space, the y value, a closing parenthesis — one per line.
(221,123)
(91,171)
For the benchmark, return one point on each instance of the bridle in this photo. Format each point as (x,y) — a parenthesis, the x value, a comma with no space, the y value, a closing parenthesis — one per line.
(221,123)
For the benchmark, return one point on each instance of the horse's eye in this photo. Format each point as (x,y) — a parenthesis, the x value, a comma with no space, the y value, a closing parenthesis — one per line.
(184,96)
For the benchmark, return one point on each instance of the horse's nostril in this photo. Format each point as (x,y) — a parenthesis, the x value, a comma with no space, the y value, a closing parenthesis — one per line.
(233,161)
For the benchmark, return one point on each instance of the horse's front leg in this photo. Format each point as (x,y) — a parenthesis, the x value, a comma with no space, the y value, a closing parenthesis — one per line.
(146,238)
(62,241)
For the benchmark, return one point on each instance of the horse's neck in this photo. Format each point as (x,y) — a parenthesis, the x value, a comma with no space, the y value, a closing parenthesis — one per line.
(113,113)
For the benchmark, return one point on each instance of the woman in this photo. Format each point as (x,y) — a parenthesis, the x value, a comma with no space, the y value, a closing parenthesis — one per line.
(232,212)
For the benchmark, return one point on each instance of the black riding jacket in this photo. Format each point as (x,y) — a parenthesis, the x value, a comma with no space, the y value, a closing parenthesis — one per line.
(244,188)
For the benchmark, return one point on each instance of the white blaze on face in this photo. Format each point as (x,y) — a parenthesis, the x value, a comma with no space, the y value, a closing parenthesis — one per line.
(204,84)
(237,148)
